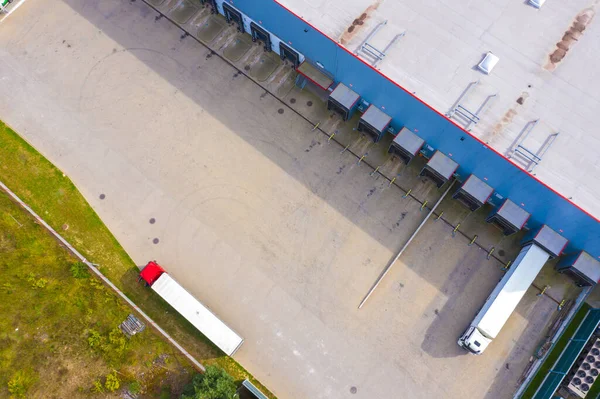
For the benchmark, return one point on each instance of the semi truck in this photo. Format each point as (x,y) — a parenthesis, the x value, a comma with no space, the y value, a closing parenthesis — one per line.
(505,297)
(189,307)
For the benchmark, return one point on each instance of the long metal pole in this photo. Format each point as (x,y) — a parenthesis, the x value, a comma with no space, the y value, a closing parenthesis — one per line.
(389,266)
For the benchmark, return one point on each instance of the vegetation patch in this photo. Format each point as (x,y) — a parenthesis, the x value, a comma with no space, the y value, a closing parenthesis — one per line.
(215,383)
(59,333)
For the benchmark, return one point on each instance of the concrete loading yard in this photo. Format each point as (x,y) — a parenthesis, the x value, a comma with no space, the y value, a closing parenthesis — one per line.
(250,199)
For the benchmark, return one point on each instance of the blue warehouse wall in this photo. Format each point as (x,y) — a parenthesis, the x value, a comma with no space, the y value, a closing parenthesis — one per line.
(545,206)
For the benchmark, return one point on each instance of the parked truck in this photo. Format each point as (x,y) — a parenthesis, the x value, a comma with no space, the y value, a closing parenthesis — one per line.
(538,247)
(189,307)
(504,299)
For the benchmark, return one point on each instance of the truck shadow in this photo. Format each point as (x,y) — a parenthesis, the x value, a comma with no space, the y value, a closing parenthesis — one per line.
(537,311)
(469,283)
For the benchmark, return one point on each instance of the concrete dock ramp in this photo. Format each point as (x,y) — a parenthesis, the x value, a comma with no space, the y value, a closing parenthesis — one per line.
(264,67)
(238,47)
(211,28)
(183,11)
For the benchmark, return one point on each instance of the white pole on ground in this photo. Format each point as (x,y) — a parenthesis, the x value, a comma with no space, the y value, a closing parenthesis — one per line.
(389,266)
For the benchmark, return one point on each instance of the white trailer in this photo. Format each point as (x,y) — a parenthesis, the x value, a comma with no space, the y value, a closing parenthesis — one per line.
(189,307)
(510,290)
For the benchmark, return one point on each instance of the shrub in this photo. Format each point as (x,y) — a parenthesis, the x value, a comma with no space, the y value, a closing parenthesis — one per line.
(117,340)
(97,284)
(95,340)
(112,382)
(80,270)
(215,383)
(97,387)
(36,282)
(19,384)
(40,283)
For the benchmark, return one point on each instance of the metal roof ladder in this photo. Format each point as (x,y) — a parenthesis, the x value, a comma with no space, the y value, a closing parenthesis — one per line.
(368,49)
(470,117)
(533,157)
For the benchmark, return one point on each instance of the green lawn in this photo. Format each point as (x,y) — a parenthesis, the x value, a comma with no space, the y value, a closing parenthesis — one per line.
(58,335)
(54,197)
(556,351)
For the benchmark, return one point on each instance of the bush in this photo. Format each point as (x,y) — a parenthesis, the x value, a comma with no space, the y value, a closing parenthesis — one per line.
(80,270)
(112,382)
(36,282)
(117,340)
(95,340)
(97,387)
(215,383)
(19,384)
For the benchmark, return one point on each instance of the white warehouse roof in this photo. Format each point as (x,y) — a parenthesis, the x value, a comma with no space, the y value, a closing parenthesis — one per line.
(536,78)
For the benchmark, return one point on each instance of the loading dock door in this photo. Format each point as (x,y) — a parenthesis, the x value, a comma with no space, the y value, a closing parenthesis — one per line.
(548,239)
(406,145)
(510,218)
(343,101)
(473,193)
(287,53)
(260,34)
(212,4)
(439,169)
(581,267)
(374,122)
(233,15)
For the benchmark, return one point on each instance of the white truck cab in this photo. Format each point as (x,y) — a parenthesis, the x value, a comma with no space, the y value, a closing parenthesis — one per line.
(474,341)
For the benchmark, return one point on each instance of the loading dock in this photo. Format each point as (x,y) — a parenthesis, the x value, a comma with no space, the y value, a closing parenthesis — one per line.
(473,193)
(259,34)
(343,100)
(233,15)
(406,145)
(439,169)
(581,267)
(547,239)
(288,53)
(509,217)
(374,122)
(316,76)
